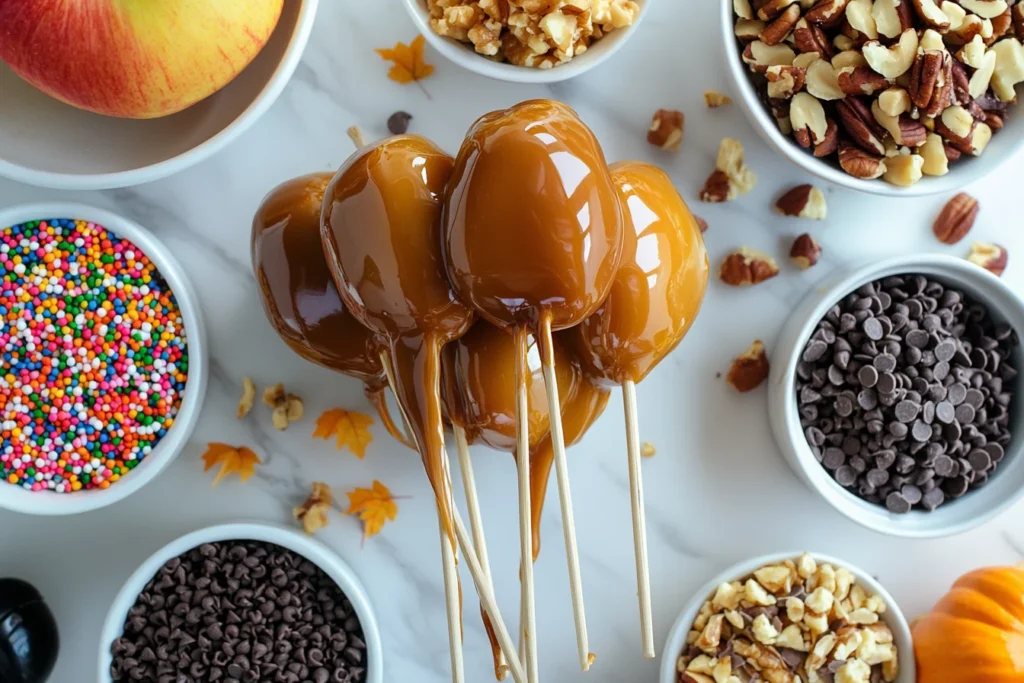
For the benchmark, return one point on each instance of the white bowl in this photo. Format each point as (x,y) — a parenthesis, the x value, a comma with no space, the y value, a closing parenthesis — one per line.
(980,505)
(1004,146)
(48,143)
(464,55)
(306,546)
(48,503)
(893,616)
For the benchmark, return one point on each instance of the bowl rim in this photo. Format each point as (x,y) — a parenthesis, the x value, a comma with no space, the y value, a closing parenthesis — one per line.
(50,504)
(308,547)
(768,130)
(893,617)
(144,174)
(1004,489)
(461,55)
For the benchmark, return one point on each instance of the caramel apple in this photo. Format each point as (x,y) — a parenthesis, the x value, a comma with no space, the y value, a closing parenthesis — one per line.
(533,235)
(653,301)
(381,231)
(299,296)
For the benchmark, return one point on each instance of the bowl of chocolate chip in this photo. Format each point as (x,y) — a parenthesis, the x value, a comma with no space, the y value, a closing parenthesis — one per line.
(246,602)
(893,394)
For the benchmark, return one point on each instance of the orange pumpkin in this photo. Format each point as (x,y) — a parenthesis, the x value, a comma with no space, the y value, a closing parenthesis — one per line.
(975,634)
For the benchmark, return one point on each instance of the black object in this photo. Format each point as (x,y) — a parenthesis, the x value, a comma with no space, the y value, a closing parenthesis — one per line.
(28,634)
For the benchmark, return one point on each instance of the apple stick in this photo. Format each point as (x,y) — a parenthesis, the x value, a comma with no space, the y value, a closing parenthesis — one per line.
(476,523)
(636,497)
(528,601)
(564,493)
(487,598)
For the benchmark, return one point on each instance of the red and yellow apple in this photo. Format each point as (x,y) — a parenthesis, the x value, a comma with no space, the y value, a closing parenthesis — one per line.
(133,58)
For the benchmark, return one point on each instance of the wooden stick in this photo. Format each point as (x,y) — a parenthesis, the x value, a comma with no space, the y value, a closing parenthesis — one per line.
(490,603)
(564,493)
(636,497)
(452,605)
(476,522)
(528,621)
(356,135)
(487,598)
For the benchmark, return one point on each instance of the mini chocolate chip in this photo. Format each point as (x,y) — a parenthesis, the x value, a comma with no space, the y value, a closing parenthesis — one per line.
(833,458)
(873,329)
(884,362)
(933,499)
(945,412)
(964,413)
(846,476)
(815,350)
(886,383)
(921,431)
(974,398)
(918,339)
(398,123)
(995,451)
(944,465)
(956,486)
(868,376)
(945,350)
(897,504)
(877,477)
(907,411)
(843,406)
(956,393)
(867,399)
(980,460)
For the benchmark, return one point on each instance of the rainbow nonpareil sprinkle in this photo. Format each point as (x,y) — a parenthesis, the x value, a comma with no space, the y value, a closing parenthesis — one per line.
(93,356)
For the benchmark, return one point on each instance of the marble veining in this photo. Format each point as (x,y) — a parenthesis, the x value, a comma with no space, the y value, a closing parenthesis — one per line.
(717,490)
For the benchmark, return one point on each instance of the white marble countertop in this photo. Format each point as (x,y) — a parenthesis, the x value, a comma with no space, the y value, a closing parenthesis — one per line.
(717,490)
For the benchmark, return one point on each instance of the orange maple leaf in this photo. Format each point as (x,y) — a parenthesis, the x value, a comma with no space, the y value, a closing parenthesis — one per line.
(408,61)
(350,428)
(232,460)
(375,507)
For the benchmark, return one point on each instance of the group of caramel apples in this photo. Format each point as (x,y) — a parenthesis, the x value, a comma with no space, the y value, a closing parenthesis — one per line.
(503,292)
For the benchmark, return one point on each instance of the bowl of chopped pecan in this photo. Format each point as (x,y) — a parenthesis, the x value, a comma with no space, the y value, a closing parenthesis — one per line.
(527,41)
(790,618)
(882,96)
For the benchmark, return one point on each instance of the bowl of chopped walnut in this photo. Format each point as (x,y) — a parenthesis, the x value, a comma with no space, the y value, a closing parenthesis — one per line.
(527,41)
(900,99)
(790,618)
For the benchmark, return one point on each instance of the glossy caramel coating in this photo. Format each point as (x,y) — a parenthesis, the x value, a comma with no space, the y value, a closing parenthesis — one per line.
(660,284)
(296,289)
(533,225)
(381,231)
(479,386)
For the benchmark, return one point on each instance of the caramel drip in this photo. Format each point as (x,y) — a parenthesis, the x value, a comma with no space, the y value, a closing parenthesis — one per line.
(376,396)
(658,288)
(298,294)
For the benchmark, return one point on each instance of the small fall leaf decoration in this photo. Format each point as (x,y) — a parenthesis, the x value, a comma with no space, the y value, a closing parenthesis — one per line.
(408,65)
(238,460)
(374,506)
(313,512)
(348,426)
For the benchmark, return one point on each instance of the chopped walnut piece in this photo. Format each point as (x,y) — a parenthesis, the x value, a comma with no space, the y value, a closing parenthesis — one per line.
(714,99)
(731,176)
(248,397)
(747,266)
(647,450)
(287,408)
(746,374)
(666,129)
(313,512)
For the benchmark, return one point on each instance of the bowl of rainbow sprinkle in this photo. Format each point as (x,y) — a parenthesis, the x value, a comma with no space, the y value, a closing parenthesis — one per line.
(102,358)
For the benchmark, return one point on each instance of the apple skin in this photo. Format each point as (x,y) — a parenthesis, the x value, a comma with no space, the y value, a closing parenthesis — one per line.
(133,58)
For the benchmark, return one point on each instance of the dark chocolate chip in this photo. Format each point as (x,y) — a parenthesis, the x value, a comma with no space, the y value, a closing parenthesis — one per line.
(897,504)
(398,123)
(815,350)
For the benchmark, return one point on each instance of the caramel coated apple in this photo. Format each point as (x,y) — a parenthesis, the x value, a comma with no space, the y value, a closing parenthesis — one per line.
(533,225)
(381,231)
(479,387)
(658,289)
(296,289)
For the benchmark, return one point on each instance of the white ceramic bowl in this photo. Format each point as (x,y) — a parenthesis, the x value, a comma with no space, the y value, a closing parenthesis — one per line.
(46,142)
(980,505)
(47,503)
(464,55)
(893,616)
(306,546)
(1004,146)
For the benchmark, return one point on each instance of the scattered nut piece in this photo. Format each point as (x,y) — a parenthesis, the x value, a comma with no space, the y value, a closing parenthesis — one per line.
(805,251)
(803,201)
(647,449)
(287,408)
(956,218)
(666,130)
(313,512)
(747,266)
(248,397)
(701,223)
(991,257)
(749,370)
(714,99)
(903,170)
(731,176)
(859,163)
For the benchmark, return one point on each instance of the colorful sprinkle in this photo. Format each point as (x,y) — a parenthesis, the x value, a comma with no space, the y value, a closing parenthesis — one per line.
(93,357)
